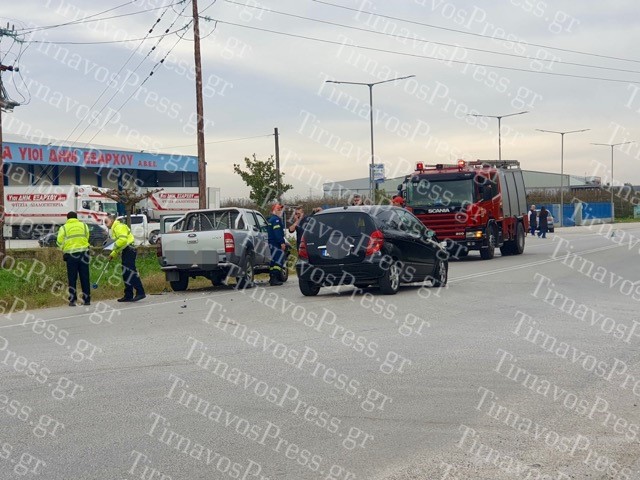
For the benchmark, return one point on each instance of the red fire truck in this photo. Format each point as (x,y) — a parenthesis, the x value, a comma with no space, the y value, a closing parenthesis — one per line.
(476,205)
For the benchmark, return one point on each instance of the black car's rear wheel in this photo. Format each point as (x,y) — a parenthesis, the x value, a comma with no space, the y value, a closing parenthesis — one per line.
(390,281)
(441,274)
(308,288)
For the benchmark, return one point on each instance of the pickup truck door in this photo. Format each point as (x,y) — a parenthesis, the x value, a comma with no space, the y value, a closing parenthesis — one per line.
(263,255)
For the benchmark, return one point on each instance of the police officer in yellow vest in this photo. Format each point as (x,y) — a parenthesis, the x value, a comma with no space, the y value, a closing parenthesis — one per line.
(124,242)
(73,239)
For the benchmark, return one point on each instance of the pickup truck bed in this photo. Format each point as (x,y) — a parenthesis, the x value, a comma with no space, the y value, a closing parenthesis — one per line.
(216,244)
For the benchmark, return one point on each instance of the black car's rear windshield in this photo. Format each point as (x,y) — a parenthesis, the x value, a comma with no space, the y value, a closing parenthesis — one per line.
(350,224)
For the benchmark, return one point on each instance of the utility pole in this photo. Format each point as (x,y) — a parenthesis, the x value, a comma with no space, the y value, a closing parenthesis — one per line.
(278,183)
(7,105)
(202,166)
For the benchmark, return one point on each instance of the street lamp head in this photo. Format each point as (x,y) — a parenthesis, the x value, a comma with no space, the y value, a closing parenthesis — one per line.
(563,133)
(613,144)
(496,116)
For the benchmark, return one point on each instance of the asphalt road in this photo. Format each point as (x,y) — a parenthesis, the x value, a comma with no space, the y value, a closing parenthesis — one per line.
(524,367)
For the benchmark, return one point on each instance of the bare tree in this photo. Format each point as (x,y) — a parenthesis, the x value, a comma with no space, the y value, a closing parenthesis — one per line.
(129,197)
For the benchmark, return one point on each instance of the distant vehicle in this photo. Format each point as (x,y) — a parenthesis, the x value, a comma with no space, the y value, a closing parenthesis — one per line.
(216,244)
(33,211)
(477,205)
(143,231)
(372,245)
(98,235)
(550,221)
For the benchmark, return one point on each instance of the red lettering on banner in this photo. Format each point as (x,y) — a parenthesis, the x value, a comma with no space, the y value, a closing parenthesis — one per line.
(6,153)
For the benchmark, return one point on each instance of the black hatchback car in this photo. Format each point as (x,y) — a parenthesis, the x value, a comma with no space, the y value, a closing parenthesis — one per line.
(369,245)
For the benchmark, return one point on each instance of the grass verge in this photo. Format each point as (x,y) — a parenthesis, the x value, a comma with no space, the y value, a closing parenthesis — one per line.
(38,277)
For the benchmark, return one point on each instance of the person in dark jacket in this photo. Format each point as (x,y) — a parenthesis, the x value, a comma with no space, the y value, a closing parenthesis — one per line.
(300,221)
(543,224)
(277,245)
(533,220)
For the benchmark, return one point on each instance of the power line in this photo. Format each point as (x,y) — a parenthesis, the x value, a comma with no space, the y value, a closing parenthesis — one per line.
(26,31)
(137,88)
(423,40)
(122,68)
(109,41)
(222,141)
(415,55)
(472,33)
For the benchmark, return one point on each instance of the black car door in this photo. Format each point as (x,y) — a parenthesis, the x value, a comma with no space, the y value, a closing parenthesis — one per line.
(396,231)
(424,249)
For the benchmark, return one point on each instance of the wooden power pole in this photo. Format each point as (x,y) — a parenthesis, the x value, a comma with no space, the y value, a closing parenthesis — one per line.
(6,104)
(278,181)
(202,166)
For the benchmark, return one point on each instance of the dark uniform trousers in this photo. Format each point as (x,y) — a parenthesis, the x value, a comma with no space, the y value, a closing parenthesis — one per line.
(78,265)
(130,275)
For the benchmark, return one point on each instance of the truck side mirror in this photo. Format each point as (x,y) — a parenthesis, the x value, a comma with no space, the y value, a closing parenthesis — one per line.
(487,194)
(399,187)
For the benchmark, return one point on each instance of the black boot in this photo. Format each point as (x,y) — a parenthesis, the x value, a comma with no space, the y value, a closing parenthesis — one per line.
(274,279)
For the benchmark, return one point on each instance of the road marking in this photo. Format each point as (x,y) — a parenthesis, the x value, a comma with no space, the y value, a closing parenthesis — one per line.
(530,264)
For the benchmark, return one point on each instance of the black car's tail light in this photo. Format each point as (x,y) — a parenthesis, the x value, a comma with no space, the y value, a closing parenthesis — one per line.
(302,250)
(376,240)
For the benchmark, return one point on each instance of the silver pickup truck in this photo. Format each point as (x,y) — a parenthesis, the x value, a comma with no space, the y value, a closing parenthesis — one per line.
(216,244)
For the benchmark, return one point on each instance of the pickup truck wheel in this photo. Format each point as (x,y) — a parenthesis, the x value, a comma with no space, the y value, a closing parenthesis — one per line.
(245,279)
(153,237)
(181,284)
(217,280)
(488,252)
(441,274)
(284,273)
(390,281)
(307,288)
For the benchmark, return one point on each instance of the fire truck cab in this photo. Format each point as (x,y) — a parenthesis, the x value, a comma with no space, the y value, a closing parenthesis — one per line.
(478,205)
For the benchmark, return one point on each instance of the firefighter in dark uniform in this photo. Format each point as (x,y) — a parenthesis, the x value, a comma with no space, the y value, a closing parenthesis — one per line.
(73,240)
(277,245)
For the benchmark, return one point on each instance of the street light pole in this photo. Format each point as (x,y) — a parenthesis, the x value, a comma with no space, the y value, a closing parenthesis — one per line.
(372,185)
(611,182)
(499,117)
(562,134)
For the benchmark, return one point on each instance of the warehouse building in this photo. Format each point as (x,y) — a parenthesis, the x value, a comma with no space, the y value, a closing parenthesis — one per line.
(533,180)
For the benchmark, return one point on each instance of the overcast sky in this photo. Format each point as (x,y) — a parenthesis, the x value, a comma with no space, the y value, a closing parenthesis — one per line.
(491,58)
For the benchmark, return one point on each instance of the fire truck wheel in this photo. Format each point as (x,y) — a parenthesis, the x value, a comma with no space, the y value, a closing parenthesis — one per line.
(488,252)
(518,245)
